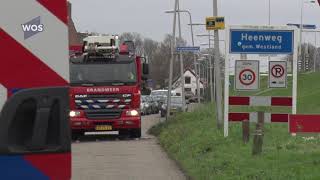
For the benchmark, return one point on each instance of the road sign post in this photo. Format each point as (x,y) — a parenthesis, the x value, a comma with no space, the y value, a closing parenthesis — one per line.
(277,74)
(260,40)
(215,23)
(244,41)
(188,49)
(247,75)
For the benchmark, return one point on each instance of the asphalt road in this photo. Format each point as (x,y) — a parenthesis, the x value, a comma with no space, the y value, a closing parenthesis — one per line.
(113,159)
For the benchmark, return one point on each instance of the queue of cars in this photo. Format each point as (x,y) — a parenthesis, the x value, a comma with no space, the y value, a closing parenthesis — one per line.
(149,105)
(157,102)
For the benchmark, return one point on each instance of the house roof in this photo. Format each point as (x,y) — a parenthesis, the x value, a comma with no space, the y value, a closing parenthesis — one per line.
(191,71)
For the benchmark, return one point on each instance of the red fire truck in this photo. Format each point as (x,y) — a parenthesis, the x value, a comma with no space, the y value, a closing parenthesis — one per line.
(105,89)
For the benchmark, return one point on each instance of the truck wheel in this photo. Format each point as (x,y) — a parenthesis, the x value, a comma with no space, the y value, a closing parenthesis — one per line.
(135,133)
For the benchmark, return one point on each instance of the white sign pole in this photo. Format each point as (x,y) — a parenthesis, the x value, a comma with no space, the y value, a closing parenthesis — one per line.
(226,84)
(295,72)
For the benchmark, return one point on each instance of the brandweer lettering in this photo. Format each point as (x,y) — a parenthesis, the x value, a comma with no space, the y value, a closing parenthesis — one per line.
(103,90)
(261,38)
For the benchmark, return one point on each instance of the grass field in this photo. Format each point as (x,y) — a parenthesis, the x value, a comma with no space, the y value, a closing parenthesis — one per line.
(193,140)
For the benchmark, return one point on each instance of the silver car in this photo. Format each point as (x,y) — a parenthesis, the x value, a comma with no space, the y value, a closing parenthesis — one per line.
(176,106)
(145,106)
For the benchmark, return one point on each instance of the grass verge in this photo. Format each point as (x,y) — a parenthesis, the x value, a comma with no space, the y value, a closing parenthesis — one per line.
(193,140)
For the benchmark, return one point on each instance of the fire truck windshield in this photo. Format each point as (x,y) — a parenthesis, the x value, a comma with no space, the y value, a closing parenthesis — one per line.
(103,74)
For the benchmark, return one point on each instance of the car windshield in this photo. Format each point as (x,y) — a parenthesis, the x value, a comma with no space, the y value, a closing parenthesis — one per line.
(114,72)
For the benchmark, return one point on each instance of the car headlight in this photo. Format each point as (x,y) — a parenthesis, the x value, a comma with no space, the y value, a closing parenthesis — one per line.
(132,113)
(74,113)
(146,105)
(164,106)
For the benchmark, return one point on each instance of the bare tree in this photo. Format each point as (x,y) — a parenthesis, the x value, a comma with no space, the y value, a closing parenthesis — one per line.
(150,48)
(136,38)
(158,55)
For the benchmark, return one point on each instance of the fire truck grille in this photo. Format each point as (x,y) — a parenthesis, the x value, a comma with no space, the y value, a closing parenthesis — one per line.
(103,114)
(103,106)
(100,102)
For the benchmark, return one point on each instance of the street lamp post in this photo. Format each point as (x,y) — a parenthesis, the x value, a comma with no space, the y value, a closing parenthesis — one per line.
(269,19)
(181,64)
(217,72)
(301,28)
(301,25)
(173,45)
(214,88)
(315,52)
(315,31)
(195,57)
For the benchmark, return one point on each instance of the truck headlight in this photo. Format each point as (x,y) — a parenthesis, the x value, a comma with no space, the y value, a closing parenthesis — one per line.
(132,113)
(74,113)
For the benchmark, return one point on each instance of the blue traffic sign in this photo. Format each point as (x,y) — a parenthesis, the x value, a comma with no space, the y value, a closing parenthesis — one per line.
(261,41)
(188,49)
(304,26)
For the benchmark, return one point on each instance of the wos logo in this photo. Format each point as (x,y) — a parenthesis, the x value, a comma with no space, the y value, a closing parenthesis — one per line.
(32,27)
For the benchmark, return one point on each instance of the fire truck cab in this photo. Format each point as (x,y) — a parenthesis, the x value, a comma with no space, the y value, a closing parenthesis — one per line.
(105,89)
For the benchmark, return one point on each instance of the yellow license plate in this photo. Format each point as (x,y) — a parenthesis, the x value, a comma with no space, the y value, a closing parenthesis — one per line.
(103,128)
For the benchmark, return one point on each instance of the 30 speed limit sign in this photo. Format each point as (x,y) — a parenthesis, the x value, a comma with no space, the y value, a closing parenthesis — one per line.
(247,75)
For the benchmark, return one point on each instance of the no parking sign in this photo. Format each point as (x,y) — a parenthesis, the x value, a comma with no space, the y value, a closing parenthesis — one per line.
(277,74)
(247,75)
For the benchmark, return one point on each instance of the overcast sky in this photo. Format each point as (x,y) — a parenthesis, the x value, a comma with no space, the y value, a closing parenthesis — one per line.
(148,18)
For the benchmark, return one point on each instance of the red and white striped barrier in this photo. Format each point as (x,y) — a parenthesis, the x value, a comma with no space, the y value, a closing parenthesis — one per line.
(253,117)
(260,101)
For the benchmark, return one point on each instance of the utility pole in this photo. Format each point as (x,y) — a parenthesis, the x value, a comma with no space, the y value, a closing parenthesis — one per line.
(269,23)
(195,60)
(173,45)
(210,69)
(217,71)
(181,64)
(315,52)
(301,28)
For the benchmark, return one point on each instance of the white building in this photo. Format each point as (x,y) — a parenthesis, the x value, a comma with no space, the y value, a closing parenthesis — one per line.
(190,85)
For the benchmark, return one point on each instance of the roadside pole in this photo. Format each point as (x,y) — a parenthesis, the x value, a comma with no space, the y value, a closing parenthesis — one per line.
(217,72)
(210,69)
(173,45)
(315,52)
(181,64)
(195,59)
